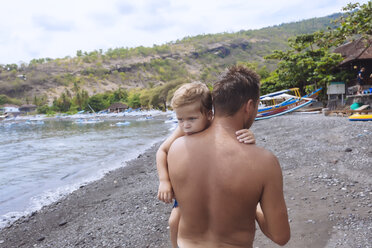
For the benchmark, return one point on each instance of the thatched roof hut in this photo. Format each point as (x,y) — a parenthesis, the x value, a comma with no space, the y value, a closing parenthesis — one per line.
(360,49)
(357,54)
(27,108)
(117,107)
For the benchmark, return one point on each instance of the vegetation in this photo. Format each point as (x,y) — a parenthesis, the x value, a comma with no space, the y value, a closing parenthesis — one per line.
(288,55)
(5,99)
(310,63)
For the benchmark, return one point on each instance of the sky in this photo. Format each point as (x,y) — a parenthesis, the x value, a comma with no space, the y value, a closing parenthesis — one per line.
(32,29)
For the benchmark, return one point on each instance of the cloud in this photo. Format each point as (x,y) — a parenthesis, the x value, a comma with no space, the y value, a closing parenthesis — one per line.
(44,28)
(125,8)
(103,19)
(49,23)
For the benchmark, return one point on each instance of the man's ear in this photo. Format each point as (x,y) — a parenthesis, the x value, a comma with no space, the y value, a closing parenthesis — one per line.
(250,106)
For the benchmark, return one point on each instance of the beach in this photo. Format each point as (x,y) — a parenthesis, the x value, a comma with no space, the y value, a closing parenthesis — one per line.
(326,162)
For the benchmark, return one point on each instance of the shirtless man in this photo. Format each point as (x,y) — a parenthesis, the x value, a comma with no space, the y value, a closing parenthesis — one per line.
(223,186)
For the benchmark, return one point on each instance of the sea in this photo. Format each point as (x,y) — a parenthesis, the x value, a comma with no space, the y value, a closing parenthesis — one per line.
(43,159)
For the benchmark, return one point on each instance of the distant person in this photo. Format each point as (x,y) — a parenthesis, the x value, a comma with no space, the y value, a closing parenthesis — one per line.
(222,186)
(193,106)
(360,80)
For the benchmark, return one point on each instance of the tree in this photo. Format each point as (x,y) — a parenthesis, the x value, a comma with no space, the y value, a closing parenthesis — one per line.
(356,21)
(98,102)
(119,95)
(134,100)
(160,94)
(39,101)
(44,109)
(4,99)
(309,61)
(63,103)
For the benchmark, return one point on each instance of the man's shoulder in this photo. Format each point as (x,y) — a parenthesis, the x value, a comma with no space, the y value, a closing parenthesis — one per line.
(179,141)
(260,151)
(264,158)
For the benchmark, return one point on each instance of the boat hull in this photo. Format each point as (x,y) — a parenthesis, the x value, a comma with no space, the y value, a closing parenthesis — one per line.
(357,117)
(286,106)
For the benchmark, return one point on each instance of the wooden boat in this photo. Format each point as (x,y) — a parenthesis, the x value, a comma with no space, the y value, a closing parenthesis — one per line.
(358,117)
(286,106)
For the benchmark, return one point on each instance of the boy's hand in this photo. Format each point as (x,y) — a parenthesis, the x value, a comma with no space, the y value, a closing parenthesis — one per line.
(165,192)
(245,136)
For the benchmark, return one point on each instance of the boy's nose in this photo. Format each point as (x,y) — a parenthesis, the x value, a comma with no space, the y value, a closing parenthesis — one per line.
(187,124)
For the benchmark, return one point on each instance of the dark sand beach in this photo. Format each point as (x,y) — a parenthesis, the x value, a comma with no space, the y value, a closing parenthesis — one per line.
(327,168)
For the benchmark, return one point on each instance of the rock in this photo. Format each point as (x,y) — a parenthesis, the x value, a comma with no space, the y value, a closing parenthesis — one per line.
(41,238)
(348,150)
(62,223)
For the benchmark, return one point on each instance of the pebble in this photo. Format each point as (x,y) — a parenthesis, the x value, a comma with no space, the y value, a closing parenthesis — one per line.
(41,238)
(62,223)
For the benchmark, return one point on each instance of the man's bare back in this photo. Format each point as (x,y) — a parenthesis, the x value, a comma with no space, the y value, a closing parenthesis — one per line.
(219,182)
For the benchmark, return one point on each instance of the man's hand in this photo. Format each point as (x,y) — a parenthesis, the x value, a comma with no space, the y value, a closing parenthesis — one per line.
(245,136)
(165,192)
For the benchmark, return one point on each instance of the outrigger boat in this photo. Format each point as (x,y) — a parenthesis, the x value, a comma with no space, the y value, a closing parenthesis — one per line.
(359,117)
(292,103)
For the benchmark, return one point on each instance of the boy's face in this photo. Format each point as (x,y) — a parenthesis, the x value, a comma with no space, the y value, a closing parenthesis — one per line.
(191,120)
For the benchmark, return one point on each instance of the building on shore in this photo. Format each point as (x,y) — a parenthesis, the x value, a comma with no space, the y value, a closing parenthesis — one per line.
(117,107)
(27,108)
(9,108)
(357,54)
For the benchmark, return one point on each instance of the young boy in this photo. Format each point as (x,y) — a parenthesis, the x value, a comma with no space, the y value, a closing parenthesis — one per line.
(193,106)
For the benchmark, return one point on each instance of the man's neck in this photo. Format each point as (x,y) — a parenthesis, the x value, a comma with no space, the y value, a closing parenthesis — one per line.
(228,125)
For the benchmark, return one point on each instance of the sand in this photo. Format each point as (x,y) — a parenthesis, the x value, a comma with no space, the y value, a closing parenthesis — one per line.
(326,161)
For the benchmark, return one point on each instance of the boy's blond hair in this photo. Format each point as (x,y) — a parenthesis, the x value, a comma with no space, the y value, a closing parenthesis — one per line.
(191,93)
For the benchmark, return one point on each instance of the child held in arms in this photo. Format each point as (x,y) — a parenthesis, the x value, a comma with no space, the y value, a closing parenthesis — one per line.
(192,104)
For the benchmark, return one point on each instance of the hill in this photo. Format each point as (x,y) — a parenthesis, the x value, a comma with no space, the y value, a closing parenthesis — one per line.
(201,57)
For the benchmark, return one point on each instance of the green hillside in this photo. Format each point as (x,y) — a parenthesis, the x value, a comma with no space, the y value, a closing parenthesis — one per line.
(201,57)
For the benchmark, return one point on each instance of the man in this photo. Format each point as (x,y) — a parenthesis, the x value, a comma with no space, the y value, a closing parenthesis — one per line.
(223,186)
(360,79)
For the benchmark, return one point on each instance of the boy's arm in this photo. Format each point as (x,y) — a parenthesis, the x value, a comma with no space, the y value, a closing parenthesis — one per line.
(165,192)
(245,136)
(271,212)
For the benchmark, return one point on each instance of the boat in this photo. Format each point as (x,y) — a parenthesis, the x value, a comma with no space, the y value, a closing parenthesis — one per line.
(359,117)
(125,123)
(88,121)
(291,104)
(34,122)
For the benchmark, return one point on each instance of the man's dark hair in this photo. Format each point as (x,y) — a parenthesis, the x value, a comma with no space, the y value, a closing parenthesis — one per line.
(234,89)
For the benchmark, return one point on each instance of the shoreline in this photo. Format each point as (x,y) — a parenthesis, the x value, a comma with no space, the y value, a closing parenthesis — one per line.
(99,213)
(46,198)
(327,186)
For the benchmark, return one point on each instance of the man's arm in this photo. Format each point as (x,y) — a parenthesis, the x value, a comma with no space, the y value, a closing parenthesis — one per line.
(165,192)
(271,213)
